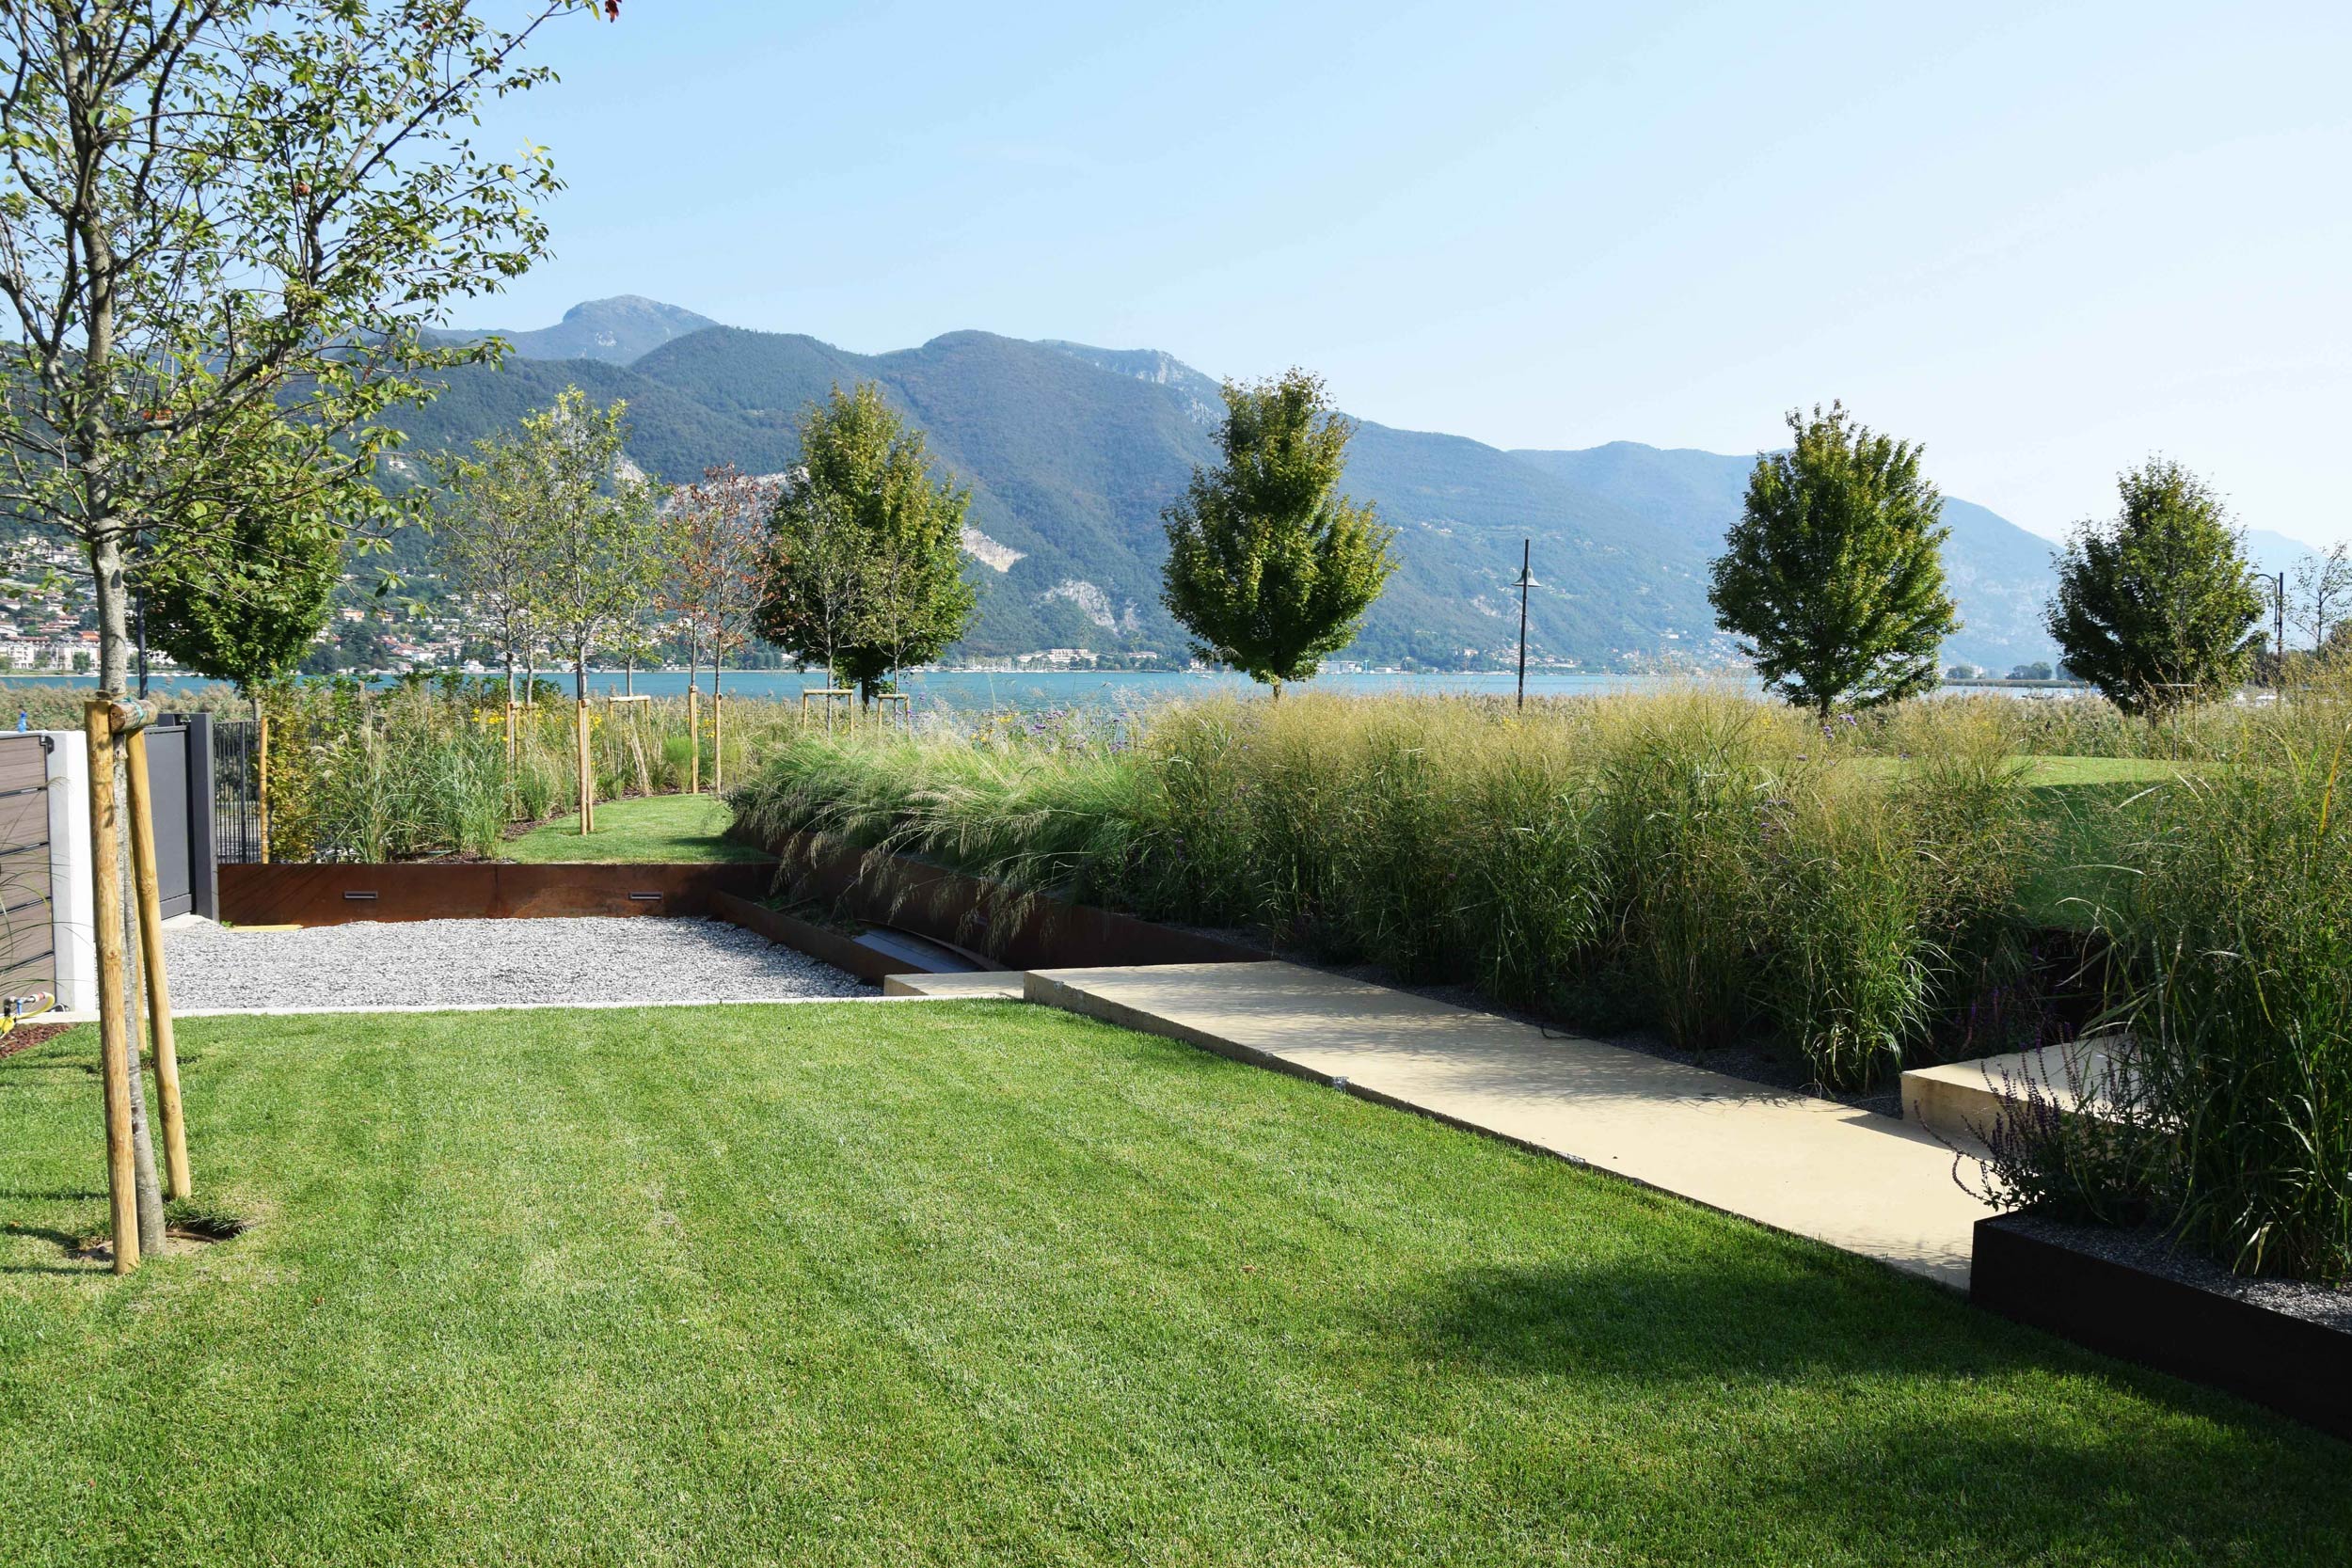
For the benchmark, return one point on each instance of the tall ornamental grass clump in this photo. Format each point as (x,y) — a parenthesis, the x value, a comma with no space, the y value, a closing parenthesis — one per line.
(1890,896)
(422,767)
(1695,859)
(1691,784)
(2238,940)
(1038,815)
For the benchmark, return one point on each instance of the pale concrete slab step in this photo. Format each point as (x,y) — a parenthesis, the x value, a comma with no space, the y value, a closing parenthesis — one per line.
(996,983)
(1861,1183)
(1961,1101)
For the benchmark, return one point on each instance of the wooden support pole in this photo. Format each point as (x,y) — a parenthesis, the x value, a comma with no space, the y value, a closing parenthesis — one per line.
(114,1038)
(587,780)
(718,742)
(262,788)
(143,870)
(693,739)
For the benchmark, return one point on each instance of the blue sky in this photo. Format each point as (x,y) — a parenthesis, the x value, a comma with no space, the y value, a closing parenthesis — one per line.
(2045,240)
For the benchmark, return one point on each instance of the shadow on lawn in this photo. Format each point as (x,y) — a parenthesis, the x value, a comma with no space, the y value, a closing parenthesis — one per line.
(1717,1318)
(2123,1455)
(64,1241)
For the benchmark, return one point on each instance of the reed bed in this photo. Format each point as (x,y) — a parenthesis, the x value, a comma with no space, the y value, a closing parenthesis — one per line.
(1722,869)
(394,773)
(1694,859)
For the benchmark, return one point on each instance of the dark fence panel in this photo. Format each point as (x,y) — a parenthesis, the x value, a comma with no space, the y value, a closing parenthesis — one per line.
(237,791)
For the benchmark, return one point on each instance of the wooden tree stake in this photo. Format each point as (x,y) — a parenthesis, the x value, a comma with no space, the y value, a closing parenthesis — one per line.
(143,871)
(693,739)
(587,779)
(262,789)
(717,745)
(114,1039)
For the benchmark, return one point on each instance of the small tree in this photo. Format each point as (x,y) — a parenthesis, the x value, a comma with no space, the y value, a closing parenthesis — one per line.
(1832,577)
(1269,567)
(2321,579)
(863,564)
(241,600)
(717,563)
(487,543)
(595,558)
(2156,608)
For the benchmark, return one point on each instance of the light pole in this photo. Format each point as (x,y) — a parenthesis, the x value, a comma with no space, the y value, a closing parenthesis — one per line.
(1527,581)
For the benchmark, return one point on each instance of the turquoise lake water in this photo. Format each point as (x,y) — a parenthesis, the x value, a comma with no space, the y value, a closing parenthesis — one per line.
(992,691)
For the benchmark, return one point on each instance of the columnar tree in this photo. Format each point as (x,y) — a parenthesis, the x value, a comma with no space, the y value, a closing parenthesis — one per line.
(218,211)
(1832,577)
(2156,606)
(239,592)
(864,558)
(1269,566)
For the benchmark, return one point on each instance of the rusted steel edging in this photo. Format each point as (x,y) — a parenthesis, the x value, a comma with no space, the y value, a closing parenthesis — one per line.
(302,895)
(1019,931)
(852,957)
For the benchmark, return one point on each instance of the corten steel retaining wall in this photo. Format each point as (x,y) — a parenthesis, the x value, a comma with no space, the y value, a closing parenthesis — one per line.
(1015,929)
(332,895)
(845,953)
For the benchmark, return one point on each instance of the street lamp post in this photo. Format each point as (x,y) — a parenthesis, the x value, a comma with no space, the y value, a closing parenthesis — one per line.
(1526,581)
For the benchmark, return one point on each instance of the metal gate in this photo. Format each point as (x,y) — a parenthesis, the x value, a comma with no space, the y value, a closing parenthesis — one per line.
(28,950)
(237,791)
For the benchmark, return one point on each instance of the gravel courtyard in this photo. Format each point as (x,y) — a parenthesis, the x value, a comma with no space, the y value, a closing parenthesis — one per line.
(439,962)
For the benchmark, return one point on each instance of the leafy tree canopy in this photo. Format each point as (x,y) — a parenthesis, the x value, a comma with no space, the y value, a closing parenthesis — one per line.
(2156,608)
(243,602)
(216,213)
(1269,567)
(594,536)
(1833,578)
(865,570)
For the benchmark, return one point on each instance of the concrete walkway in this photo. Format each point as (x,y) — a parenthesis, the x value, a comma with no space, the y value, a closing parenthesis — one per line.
(1861,1183)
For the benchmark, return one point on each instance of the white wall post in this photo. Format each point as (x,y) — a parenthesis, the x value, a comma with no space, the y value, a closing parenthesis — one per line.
(72,917)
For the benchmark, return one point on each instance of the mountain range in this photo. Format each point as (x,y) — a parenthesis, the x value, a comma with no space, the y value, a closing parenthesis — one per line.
(1070,452)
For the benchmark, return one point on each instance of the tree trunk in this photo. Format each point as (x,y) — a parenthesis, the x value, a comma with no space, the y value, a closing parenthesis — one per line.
(579,719)
(114,621)
(114,667)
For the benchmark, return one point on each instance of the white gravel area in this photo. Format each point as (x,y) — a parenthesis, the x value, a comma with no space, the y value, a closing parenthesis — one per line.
(636,959)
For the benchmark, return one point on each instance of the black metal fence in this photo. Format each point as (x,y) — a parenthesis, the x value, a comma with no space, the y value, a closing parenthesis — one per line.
(237,791)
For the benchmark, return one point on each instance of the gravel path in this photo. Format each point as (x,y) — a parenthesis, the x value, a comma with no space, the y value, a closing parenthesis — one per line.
(438,963)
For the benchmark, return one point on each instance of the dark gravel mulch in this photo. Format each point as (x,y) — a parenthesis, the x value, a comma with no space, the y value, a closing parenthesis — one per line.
(28,1034)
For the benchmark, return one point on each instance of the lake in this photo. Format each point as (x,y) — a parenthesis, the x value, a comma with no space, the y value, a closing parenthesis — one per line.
(1031,691)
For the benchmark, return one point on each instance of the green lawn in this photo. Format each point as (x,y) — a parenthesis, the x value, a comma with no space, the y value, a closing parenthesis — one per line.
(2083,803)
(973,1282)
(663,829)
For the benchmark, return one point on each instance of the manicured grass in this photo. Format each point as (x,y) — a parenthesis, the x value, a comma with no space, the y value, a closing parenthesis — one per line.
(2084,806)
(975,1282)
(662,828)
(2045,772)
